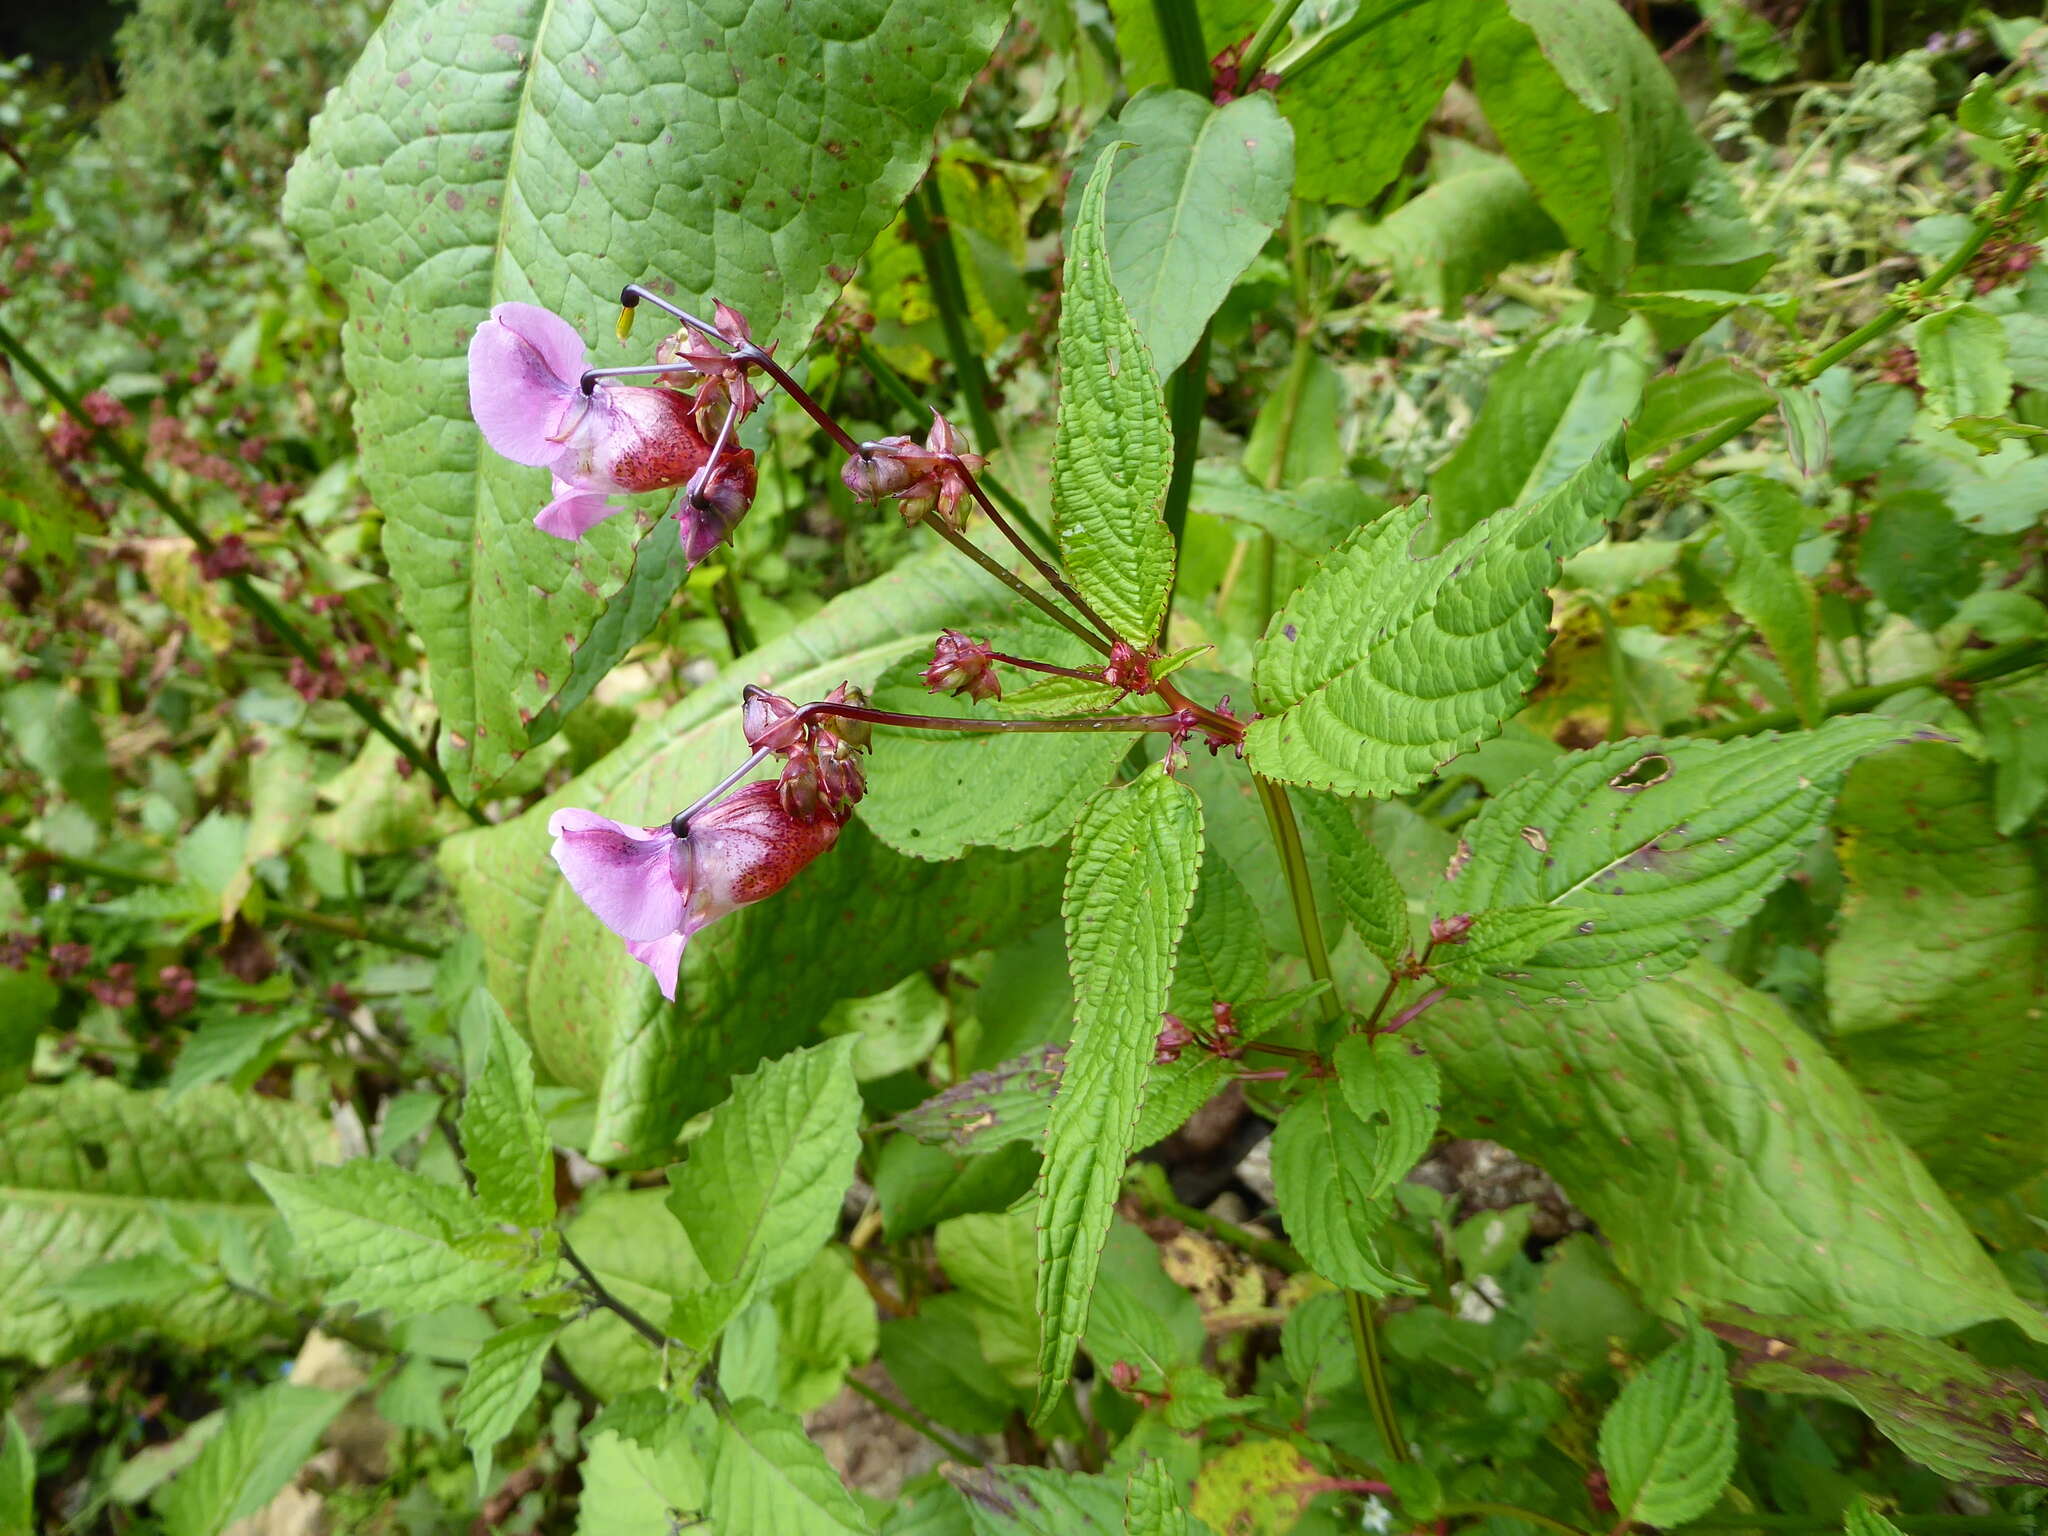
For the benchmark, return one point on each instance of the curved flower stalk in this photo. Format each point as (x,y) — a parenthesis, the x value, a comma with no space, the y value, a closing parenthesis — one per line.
(527,372)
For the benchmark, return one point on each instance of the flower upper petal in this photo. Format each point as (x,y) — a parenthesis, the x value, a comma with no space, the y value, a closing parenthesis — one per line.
(524,364)
(622,873)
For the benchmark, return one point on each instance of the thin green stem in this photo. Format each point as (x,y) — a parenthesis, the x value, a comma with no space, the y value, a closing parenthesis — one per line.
(1187,53)
(1014,582)
(246,592)
(1983,667)
(725,596)
(1487,1509)
(602,1295)
(1260,48)
(1372,1371)
(911,1419)
(1186,393)
(302,917)
(1300,890)
(1147,1184)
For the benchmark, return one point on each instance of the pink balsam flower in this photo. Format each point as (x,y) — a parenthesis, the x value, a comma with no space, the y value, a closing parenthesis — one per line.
(525,370)
(654,889)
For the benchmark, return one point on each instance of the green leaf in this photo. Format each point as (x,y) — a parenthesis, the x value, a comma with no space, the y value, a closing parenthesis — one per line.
(597,1021)
(1152,1501)
(1391,1085)
(1863,1519)
(1962,362)
(1966,1420)
(1943,921)
(589,158)
(502,1379)
(1222,956)
(827,1327)
(149,1280)
(91,1172)
(1130,883)
(1326,1176)
(1038,1501)
(770,1477)
(1668,1442)
(993,1261)
(56,735)
(1916,558)
(1312,517)
(390,1238)
(17,1479)
(1360,98)
(504,1140)
(1007,1103)
(1694,400)
(645,1483)
(1589,114)
(935,1358)
(1555,405)
(282,796)
(1505,937)
(2014,721)
(1192,202)
(1762,521)
(1113,446)
(1807,439)
(234,1048)
(1383,666)
(266,1438)
(1143,51)
(628,616)
(761,1190)
(1724,1155)
(1653,838)
(1455,236)
(919,1186)
(1367,892)
(640,1252)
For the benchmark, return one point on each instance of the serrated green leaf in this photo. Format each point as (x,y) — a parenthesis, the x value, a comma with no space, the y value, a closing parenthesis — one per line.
(502,1379)
(1392,1086)
(1962,362)
(1864,1520)
(1251,1487)
(1325,1175)
(231,1047)
(1193,200)
(769,1476)
(1943,922)
(919,1186)
(1384,666)
(1694,400)
(1367,892)
(993,1261)
(55,734)
(1655,838)
(645,1483)
(1038,1501)
(1506,937)
(1130,883)
(1312,517)
(1113,446)
(504,1140)
(827,1327)
(392,1239)
(1968,1421)
(149,1280)
(1593,119)
(935,1359)
(1668,1442)
(589,158)
(1725,1156)
(1222,956)
(1360,98)
(17,1480)
(640,1252)
(595,1017)
(761,1189)
(1762,521)
(1152,1501)
(266,1438)
(1456,235)
(91,1172)
(1555,405)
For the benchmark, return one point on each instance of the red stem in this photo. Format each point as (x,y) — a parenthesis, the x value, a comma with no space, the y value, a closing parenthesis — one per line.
(1029,665)
(1039,563)
(1084,723)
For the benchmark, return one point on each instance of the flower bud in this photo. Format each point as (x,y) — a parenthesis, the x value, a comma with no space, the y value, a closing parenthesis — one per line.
(1174,1037)
(769,720)
(963,666)
(1450,930)
(1127,668)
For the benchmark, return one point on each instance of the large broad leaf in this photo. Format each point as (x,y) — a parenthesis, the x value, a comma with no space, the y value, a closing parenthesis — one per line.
(1649,840)
(1385,666)
(1359,100)
(1194,199)
(1113,448)
(91,1172)
(1130,883)
(1726,1157)
(1668,1442)
(1553,406)
(1589,114)
(264,1440)
(1966,1420)
(1936,983)
(753,984)
(481,152)
(1326,1181)
(770,1476)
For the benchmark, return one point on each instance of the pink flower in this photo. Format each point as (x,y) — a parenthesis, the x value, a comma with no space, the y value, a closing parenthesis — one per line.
(525,370)
(654,889)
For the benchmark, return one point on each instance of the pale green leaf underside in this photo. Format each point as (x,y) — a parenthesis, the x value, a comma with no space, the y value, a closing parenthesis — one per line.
(1651,839)
(1112,447)
(266,1438)
(502,1379)
(769,1476)
(1668,1442)
(90,1172)
(495,150)
(1384,666)
(1130,882)
(1726,1157)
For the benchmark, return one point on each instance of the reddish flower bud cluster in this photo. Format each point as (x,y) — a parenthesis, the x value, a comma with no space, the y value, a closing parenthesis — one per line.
(930,477)
(1128,669)
(230,556)
(315,683)
(961,665)
(1226,77)
(1454,929)
(179,994)
(1999,261)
